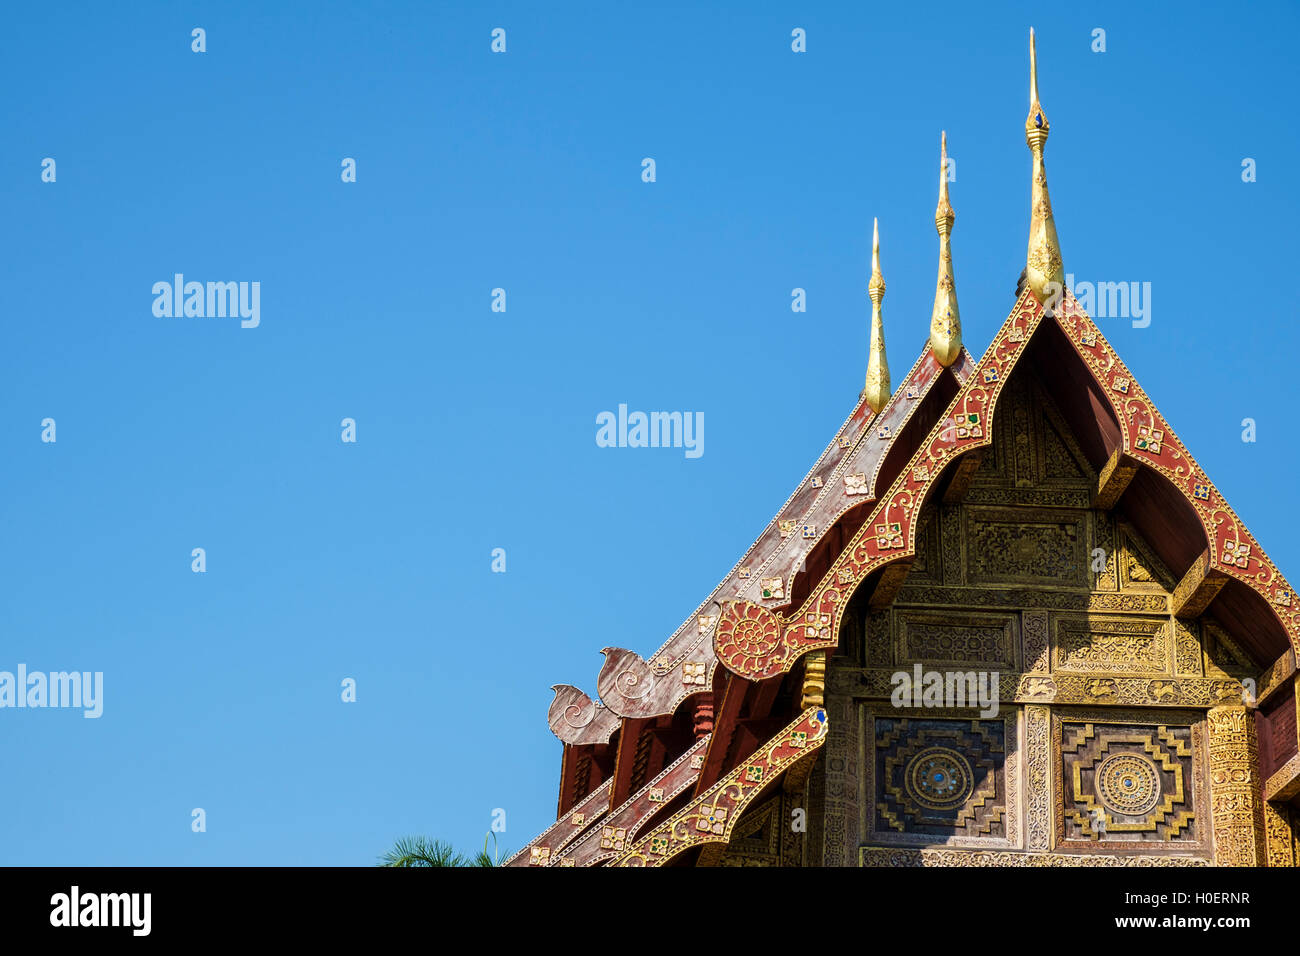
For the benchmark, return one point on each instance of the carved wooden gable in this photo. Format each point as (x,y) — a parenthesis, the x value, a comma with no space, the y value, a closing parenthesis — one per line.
(1091,737)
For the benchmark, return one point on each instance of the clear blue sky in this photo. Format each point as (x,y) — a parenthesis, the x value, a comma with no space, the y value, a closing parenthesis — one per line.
(476,429)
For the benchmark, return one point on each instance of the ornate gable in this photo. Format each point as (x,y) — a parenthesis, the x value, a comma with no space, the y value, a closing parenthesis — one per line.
(890,532)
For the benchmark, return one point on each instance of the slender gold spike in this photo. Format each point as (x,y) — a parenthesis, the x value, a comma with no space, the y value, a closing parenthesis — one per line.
(945,320)
(1044,271)
(1033,69)
(877,390)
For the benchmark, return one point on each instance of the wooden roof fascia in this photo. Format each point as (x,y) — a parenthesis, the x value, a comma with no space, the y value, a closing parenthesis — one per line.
(566,829)
(711,817)
(629,816)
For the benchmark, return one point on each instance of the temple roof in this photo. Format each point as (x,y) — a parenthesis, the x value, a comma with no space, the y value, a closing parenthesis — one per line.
(854,518)
(1029,335)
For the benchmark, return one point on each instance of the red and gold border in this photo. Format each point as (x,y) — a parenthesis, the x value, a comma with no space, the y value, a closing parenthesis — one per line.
(711,817)
(1149,439)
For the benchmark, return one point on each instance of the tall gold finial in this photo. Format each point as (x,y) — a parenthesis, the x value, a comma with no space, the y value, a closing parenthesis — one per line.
(1043,264)
(1033,70)
(945,320)
(877,390)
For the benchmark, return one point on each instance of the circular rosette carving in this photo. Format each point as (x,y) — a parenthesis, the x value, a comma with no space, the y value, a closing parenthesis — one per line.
(1128,783)
(746,635)
(939,779)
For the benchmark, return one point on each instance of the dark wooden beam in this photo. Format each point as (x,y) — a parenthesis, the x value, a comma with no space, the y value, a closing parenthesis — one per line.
(763,698)
(962,475)
(891,579)
(749,736)
(1199,586)
(724,726)
(1285,784)
(1114,478)
(752,734)
(628,741)
(1276,676)
(662,737)
(567,760)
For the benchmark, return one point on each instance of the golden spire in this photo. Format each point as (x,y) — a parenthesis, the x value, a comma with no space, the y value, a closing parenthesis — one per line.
(1043,263)
(945,320)
(876,391)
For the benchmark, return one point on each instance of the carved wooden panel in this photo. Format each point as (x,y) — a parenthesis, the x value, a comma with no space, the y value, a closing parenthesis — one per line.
(962,639)
(977,598)
(927,566)
(1129,780)
(1091,644)
(875,856)
(840,781)
(1223,655)
(1105,573)
(1187,648)
(1038,778)
(881,683)
(1139,568)
(952,552)
(932,778)
(1235,799)
(1034,460)
(1033,628)
(1280,835)
(1022,547)
(879,638)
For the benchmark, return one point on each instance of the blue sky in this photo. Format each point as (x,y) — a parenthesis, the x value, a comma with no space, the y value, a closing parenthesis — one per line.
(476,429)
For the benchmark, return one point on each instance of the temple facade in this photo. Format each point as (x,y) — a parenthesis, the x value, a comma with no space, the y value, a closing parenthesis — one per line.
(1005,619)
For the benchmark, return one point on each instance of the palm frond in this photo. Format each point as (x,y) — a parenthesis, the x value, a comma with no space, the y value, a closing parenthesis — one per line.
(420,851)
(495,858)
